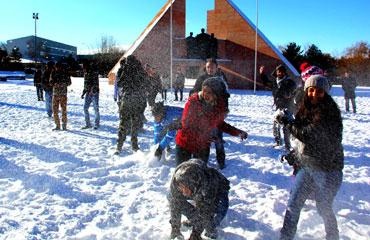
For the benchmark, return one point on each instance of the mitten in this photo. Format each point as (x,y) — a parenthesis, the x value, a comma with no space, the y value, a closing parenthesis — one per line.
(284,117)
(243,135)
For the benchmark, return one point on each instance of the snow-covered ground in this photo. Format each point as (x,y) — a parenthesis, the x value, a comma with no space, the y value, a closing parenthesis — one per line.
(67,185)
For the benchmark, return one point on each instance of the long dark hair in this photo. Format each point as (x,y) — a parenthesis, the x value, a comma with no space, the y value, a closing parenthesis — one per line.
(326,109)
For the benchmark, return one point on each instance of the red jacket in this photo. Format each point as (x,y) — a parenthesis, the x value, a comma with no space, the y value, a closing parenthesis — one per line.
(198,122)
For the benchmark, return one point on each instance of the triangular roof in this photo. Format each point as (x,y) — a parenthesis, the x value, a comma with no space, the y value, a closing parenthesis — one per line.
(144,33)
(267,41)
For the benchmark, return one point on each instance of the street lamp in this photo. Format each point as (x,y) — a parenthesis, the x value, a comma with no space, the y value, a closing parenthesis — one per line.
(255,50)
(36,17)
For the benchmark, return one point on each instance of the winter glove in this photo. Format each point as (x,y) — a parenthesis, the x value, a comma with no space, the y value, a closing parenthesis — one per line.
(284,117)
(195,236)
(175,125)
(158,152)
(176,234)
(243,135)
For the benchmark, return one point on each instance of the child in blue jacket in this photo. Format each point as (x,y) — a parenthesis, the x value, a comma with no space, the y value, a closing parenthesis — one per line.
(167,119)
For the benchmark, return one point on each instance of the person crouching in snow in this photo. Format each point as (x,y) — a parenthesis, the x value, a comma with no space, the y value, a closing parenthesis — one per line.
(204,112)
(318,128)
(208,189)
(167,119)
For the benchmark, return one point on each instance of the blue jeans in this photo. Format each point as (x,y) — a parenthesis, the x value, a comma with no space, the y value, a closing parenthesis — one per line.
(48,102)
(94,98)
(325,186)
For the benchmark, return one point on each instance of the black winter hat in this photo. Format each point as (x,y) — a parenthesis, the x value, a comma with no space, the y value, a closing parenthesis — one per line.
(158,108)
(280,67)
(216,84)
(190,174)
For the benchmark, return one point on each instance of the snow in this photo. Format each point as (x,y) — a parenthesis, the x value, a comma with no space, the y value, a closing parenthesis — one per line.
(69,185)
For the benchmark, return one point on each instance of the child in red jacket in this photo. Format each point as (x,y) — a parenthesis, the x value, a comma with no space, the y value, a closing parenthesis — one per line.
(204,112)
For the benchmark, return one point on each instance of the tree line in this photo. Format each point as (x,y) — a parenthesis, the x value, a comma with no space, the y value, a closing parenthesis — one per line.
(356,59)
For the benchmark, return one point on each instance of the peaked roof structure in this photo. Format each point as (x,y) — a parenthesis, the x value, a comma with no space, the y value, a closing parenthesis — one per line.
(157,35)
(262,37)
(235,34)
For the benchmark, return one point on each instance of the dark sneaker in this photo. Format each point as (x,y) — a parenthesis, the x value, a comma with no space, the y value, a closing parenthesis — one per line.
(221,165)
(96,127)
(86,127)
(56,129)
(176,234)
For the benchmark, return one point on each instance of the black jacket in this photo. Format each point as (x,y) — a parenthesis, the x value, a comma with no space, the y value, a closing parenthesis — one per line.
(91,82)
(320,138)
(207,184)
(283,92)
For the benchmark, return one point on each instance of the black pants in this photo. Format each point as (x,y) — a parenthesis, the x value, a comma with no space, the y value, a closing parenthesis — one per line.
(183,155)
(39,92)
(181,94)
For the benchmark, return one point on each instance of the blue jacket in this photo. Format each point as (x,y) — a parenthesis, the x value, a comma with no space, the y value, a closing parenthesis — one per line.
(161,135)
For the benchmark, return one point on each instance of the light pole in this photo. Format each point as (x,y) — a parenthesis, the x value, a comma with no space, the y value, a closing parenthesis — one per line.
(255,50)
(36,17)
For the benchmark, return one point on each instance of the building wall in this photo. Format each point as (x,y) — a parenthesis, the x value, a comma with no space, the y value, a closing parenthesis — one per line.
(45,47)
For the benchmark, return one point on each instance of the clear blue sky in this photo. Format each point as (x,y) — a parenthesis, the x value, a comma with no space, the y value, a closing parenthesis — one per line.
(332,25)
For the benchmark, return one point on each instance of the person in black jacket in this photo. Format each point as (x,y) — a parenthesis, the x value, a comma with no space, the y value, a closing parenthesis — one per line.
(283,92)
(37,82)
(91,94)
(349,85)
(208,188)
(318,128)
(48,88)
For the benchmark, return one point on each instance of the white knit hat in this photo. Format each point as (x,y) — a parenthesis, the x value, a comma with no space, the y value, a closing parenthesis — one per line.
(317,81)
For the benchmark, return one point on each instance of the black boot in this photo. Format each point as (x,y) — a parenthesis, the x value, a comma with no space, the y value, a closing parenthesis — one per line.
(134,145)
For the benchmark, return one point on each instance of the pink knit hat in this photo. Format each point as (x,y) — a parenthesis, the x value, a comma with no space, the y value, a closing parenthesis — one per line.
(307,70)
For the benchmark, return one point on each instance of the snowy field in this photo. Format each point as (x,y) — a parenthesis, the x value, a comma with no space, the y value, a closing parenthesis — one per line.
(68,185)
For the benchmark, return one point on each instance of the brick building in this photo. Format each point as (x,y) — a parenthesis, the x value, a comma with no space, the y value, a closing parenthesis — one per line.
(235,35)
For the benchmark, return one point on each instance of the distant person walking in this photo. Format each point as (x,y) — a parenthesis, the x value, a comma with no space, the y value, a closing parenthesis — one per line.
(349,85)
(60,80)
(37,82)
(91,94)
(48,87)
(179,84)
(166,84)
